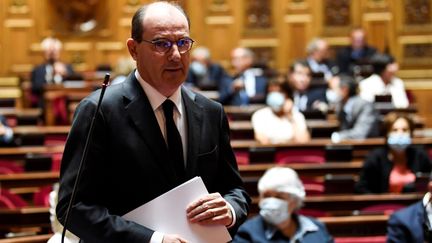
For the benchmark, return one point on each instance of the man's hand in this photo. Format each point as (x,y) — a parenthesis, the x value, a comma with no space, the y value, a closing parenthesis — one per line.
(211,209)
(173,239)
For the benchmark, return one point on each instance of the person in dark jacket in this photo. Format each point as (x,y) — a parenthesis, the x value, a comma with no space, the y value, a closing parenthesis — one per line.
(393,167)
(413,223)
(281,194)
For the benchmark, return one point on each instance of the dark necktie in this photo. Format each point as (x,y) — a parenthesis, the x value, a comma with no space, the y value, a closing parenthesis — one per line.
(175,147)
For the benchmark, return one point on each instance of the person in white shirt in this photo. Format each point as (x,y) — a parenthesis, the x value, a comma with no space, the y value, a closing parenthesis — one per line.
(280,122)
(384,82)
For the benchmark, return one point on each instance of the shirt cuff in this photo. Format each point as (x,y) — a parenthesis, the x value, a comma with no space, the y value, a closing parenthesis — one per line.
(157,237)
(233,215)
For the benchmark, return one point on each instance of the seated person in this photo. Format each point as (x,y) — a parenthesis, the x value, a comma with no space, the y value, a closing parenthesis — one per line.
(384,81)
(281,194)
(413,223)
(305,99)
(317,59)
(53,71)
(357,117)
(203,73)
(6,133)
(349,58)
(280,122)
(393,168)
(248,85)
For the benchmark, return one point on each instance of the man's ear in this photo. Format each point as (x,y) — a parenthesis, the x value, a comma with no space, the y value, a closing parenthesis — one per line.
(131,44)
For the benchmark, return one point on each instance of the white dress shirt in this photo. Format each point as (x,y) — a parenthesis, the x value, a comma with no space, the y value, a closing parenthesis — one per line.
(374,85)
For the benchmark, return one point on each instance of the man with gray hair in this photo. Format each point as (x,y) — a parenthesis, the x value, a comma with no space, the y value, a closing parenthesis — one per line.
(318,58)
(52,71)
(249,84)
(281,196)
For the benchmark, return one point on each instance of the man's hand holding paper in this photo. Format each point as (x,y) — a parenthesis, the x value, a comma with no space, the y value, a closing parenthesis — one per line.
(211,209)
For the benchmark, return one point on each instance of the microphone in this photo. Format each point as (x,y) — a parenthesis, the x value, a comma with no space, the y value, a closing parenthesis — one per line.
(84,157)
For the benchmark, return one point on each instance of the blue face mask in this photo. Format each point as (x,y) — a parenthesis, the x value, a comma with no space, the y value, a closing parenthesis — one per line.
(198,68)
(399,141)
(275,100)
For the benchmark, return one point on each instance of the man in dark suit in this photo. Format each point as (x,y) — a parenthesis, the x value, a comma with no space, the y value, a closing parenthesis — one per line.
(249,84)
(413,223)
(150,135)
(305,98)
(6,133)
(351,58)
(52,71)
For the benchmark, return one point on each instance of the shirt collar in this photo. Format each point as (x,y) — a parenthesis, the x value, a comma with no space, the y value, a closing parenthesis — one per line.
(156,98)
(305,225)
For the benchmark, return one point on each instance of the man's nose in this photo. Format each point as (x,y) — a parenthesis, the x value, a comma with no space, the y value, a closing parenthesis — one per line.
(174,54)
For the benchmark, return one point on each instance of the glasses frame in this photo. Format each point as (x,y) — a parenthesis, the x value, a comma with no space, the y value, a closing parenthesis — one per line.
(171,44)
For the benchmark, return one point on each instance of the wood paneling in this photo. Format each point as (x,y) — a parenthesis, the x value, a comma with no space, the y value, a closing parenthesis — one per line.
(278,29)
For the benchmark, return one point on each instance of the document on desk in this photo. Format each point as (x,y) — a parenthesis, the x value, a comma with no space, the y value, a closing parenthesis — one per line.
(167,214)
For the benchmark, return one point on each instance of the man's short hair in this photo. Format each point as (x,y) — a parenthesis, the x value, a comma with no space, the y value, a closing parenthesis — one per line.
(350,83)
(313,45)
(137,29)
(302,63)
(380,61)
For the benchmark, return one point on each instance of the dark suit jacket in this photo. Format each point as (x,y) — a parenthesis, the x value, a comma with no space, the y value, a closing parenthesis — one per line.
(228,96)
(363,122)
(127,162)
(38,81)
(406,225)
(375,174)
(216,75)
(38,77)
(254,231)
(346,62)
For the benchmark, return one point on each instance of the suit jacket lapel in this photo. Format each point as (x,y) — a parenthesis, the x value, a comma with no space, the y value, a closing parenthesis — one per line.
(142,115)
(194,121)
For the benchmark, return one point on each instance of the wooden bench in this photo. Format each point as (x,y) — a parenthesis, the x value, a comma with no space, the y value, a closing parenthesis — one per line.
(28,239)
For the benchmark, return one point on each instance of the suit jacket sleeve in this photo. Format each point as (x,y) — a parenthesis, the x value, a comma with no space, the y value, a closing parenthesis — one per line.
(396,230)
(233,191)
(365,122)
(89,219)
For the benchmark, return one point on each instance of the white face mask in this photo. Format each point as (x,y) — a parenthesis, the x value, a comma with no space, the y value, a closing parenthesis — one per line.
(275,100)
(274,210)
(198,68)
(399,141)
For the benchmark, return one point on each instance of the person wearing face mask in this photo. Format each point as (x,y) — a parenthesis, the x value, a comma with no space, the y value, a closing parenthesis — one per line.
(280,121)
(281,194)
(393,167)
(204,74)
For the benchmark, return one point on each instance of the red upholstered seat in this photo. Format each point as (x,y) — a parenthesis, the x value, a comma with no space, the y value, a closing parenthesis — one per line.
(41,198)
(382,208)
(10,167)
(10,200)
(300,156)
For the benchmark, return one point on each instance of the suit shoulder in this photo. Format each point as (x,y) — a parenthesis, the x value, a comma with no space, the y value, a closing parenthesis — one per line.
(407,214)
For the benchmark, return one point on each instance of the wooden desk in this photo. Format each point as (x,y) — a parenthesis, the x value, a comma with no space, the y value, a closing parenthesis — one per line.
(350,202)
(21,152)
(22,116)
(318,128)
(305,170)
(242,112)
(24,217)
(360,148)
(29,179)
(356,225)
(28,239)
(41,130)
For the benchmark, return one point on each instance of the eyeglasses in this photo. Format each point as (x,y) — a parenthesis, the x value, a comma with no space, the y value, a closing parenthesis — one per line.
(164,45)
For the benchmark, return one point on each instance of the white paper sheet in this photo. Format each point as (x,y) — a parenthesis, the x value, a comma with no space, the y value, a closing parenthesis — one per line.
(167,214)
